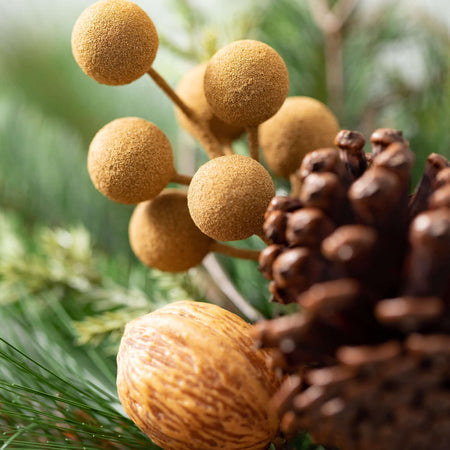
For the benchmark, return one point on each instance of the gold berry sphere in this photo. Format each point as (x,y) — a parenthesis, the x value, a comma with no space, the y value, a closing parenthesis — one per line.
(189,377)
(246,82)
(228,196)
(114,42)
(130,160)
(302,124)
(163,236)
(190,89)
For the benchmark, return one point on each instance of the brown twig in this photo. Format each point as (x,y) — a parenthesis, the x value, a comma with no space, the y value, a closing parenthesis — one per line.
(181,179)
(208,140)
(235,252)
(253,142)
(331,22)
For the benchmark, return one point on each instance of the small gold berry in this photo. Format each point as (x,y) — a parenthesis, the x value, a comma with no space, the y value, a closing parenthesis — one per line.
(228,196)
(114,42)
(190,89)
(190,378)
(163,235)
(246,82)
(130,160)
(302,124)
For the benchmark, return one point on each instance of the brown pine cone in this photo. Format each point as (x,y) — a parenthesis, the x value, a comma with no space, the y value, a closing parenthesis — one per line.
(368,355)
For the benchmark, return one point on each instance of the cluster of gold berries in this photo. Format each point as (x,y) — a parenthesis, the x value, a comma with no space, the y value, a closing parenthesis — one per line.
(242,88)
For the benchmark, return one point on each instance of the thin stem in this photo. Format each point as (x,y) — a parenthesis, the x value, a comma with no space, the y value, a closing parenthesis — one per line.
(235,252)
(181,179)
(227,148)
(227,287)
(17,434)
(331,22)
(253,142)
(207,139)
(295,185)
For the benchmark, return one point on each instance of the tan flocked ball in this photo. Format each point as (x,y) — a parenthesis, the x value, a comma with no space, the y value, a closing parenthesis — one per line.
(302,124)
(190,89)
(130,160)
(114,42)
(246,82)
(163,236)
(228,196)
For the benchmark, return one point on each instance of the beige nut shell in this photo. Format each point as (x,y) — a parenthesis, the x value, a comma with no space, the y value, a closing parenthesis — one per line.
(114,42)
(228,196)
(190,89)
(189,377)
(130,160)
(246,82)
(302,124)
(163,236)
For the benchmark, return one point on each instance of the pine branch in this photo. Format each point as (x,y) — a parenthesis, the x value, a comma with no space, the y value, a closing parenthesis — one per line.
(47,408)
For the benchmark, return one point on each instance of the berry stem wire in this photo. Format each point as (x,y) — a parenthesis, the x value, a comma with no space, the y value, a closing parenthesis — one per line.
(235,252)
(207,139)
(227,148)
(181,179)
(295,185)
(253,142)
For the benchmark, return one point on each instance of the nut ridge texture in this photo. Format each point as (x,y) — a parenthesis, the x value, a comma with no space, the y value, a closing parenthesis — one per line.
(190,378)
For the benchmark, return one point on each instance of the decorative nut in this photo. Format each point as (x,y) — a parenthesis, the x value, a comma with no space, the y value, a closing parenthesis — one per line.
(190,378)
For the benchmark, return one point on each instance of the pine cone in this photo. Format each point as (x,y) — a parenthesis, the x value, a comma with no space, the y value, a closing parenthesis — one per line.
(367,357)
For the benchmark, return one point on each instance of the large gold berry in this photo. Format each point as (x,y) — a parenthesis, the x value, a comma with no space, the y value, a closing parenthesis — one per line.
(302,124)
(228,196)
(190,379)
(163,235)
(114,42)
(190,89)
(246,82)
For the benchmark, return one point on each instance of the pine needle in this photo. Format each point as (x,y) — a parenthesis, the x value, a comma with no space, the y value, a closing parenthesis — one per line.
(47,408)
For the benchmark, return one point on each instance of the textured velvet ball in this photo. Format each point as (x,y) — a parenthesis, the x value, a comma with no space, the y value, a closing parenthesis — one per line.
(130,160)
(228,196)
(163,236)
(302,125)
(246,82)
(190,378)
(114,42)
(190,89)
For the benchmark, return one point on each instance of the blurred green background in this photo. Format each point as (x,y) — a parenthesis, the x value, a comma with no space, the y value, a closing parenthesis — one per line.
(64,248)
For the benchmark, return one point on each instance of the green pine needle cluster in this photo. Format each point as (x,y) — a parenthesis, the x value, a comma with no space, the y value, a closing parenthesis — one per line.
(52,401)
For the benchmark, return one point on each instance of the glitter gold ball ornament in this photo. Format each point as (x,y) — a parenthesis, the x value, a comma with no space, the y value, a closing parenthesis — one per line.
(130,160)
(190,379)
(190,89)
(302,124)
(162,234)
(246,82)
(114,42)
(228,196)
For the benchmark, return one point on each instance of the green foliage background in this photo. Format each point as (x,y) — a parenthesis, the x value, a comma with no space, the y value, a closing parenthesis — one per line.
(68,281)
